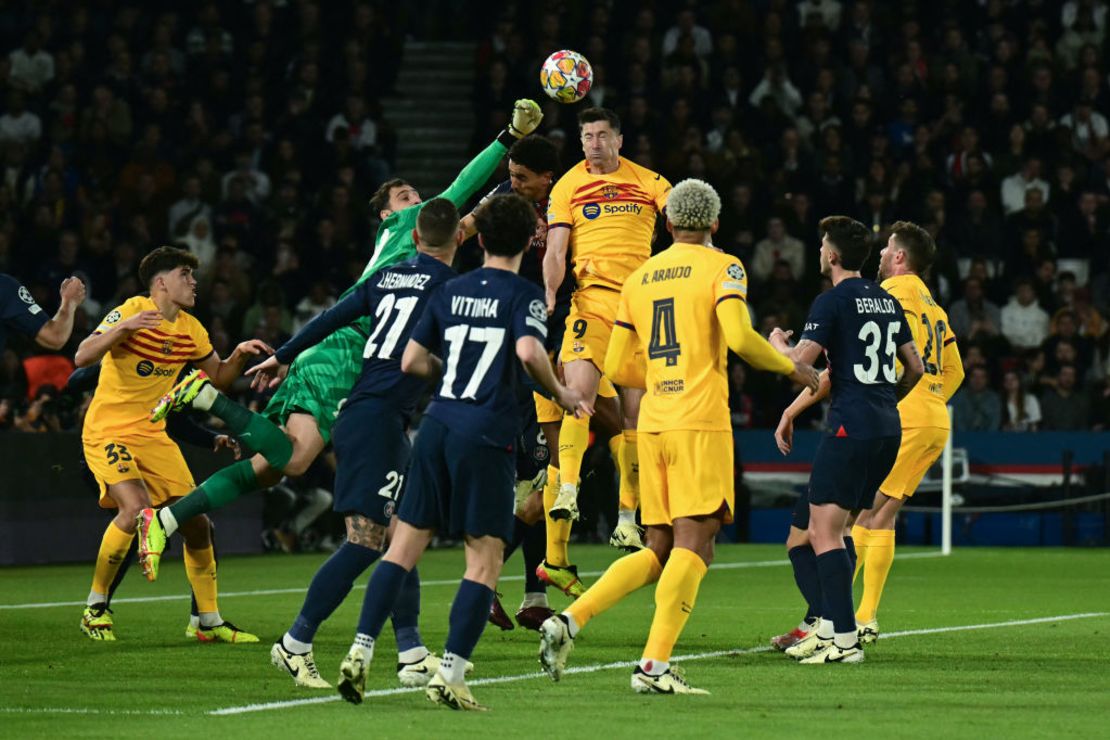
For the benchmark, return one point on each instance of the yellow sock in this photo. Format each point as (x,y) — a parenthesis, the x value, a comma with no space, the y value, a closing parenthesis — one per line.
(558,532)
(200,567)
(880,556)
(861,537)
(113,549)
(674,600)
(574,438)
(624,576)
(629,463)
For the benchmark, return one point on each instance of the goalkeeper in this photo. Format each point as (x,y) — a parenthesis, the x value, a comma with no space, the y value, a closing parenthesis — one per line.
(308,401)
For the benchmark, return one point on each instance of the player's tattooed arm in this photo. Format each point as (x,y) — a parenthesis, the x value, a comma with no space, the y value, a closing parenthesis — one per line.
(912,369)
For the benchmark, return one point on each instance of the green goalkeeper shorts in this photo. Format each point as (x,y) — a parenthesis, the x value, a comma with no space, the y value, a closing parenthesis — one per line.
(319,380)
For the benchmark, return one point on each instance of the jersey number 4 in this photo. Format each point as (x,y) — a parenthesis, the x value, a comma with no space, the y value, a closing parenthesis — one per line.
(664,338)
(491,337)
(396,320)
(872,336)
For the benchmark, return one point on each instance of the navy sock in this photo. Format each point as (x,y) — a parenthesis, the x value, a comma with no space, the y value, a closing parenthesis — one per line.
(406,614)
(804,561)
(836,586)
(535,548)
(330,585)
(385,586)
(469,615)
(850,546)
(520,529)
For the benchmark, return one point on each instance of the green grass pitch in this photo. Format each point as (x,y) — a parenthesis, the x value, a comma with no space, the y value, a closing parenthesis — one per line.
(1045,678)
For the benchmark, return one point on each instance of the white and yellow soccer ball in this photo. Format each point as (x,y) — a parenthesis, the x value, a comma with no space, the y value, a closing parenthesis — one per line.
(566,76)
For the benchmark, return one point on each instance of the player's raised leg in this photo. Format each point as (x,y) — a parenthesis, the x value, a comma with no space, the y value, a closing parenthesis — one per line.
(302,440)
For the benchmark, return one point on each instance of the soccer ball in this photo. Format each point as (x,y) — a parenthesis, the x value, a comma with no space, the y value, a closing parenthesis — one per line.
(566,76)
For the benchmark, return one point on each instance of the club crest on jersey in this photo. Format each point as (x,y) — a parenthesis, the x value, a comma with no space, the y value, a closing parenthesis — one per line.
(167,347)
(113,317)
(122,468)
(578,347)
(25,295)
(610,192)
(388,508)
(590,211)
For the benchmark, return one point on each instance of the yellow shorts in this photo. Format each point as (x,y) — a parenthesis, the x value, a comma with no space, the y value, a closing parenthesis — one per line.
(156,461)
(590,324)
(683,474)
(547,411)
(920,448)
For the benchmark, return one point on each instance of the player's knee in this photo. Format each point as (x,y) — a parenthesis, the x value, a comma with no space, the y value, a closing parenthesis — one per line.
(297,466)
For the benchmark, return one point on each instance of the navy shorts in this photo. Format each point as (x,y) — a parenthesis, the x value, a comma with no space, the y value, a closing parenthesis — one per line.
(848,472)
(532,453)
(372,455)
(459,487)
(800,516)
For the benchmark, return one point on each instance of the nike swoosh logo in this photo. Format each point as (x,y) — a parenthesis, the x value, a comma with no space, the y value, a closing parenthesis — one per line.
(293,671)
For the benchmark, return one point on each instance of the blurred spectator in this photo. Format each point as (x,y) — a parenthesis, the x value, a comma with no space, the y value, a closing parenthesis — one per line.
(974,317)
(1024,322)
(1065,407)
(1022,411)
(777,245)
(19,125)
(1015,186)
(32,67)
(975,407)
(739,402)
(188,207)
(318,300)
(198,240)
(687,26)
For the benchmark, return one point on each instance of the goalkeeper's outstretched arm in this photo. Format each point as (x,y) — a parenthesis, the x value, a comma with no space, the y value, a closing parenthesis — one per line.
(526,118)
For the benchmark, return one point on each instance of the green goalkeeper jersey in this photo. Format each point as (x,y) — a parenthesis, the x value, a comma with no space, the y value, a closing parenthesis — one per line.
(321,377)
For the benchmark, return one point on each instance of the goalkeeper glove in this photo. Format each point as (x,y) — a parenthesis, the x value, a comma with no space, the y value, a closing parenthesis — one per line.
(526,488)
(526,118)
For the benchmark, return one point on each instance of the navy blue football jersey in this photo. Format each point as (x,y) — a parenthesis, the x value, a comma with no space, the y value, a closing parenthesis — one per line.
(18,310)
(473,323)
(395,297)
(860,326)
(531,265)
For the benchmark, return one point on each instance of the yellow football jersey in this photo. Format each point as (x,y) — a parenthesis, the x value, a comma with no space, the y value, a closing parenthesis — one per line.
(611,218)
(670,302)
(925,404)
(141,369)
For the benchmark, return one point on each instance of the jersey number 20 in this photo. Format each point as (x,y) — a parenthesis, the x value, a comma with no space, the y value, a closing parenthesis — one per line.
(872,336)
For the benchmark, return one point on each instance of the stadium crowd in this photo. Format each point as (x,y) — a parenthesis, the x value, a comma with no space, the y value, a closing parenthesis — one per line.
(251,134)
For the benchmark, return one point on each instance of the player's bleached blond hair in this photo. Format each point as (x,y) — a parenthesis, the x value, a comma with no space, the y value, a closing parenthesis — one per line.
(693,205)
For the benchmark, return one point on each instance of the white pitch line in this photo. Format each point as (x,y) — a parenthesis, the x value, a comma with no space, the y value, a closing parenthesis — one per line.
(444,582)
(267,706)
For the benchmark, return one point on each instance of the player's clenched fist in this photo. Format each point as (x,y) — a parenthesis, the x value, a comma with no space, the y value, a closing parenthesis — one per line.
(72,291)
(526,118)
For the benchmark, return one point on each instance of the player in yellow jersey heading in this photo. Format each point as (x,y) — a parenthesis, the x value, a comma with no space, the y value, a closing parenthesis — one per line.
(685,434)
(144,343)
(604,210)
(907,257)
